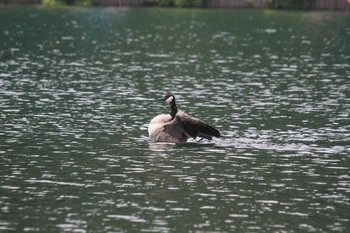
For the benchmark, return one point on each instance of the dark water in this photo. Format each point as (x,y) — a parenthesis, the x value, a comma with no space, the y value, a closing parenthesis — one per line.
(79,86)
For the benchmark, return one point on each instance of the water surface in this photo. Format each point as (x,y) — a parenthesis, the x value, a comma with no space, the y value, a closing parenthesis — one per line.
(78,87)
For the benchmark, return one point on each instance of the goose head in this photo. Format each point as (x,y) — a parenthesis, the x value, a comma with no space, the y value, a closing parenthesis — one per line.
(169,99)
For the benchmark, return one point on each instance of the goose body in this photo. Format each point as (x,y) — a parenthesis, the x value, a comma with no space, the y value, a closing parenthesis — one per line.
(178,126)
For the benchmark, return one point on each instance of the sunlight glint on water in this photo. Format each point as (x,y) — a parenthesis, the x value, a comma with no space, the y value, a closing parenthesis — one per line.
(78,87)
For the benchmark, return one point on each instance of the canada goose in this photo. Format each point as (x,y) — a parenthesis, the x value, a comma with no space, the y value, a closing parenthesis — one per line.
(178,126)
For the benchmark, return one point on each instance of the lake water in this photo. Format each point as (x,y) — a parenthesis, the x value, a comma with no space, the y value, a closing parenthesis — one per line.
(78,87)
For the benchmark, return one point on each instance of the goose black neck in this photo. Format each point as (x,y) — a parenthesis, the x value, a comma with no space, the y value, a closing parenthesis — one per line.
(173,109)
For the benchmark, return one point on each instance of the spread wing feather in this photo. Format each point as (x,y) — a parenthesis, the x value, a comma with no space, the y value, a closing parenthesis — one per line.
(196,127)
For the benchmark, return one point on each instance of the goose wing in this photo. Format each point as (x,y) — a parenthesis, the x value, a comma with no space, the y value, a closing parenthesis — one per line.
(174,131)
(196,127)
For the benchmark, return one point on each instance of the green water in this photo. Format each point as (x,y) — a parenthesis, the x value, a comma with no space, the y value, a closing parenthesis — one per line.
(78,87)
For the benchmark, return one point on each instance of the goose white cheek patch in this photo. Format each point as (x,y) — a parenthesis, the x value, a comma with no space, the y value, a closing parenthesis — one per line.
(169,99)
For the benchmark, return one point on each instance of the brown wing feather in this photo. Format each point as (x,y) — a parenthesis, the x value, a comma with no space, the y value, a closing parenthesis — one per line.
(175,130)
(196,127)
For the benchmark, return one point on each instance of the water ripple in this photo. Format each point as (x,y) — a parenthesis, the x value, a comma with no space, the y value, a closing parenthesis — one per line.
(75,109)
